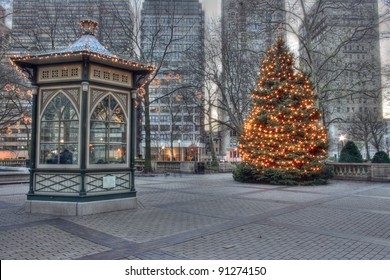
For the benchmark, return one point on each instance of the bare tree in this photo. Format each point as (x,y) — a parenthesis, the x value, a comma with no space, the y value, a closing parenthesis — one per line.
(368,127)
(230,73)
(336,41)
(56,25)
(15,112)
(15,98)
(157,43)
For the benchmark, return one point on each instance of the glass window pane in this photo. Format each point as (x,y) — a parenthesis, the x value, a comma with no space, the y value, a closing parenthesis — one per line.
(100,113)
(59,132)
(50,113)
(50,132)
(66,155)
(117,133)
(69,112)
(98,153)
(49,154)
(113,104)
(73,157)
(118,153)
(118,115)
(108,133)
(98,132)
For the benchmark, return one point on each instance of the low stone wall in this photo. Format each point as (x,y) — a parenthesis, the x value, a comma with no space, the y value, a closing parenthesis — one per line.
(13,162)
(188,167)
(225,167)
(361,171)
(174,166)
(11,177)
(380,172)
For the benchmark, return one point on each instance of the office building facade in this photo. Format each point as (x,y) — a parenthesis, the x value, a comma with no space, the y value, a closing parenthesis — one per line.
(171,29)
(346,55)
(251,27)
(43,25)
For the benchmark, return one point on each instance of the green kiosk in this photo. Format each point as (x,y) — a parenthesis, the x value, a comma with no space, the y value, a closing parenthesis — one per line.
(83,128)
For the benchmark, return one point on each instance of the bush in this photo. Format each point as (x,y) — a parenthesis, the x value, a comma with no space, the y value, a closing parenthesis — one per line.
(350,153)
(381,157)
(245,173)
(249,174)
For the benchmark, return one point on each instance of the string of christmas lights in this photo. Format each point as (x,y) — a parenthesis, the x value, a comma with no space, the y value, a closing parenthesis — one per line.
(283,131)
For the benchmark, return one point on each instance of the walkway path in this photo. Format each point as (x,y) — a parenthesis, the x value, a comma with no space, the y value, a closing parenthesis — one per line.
(209,217)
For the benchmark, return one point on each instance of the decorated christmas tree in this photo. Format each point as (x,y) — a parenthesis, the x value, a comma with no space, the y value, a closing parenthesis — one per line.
(283,140)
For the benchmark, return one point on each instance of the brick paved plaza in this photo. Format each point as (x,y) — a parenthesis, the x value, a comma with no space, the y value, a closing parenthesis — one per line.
(209,217)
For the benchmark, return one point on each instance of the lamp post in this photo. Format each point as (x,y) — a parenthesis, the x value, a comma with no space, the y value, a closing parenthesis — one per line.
(341,139)
(179,142)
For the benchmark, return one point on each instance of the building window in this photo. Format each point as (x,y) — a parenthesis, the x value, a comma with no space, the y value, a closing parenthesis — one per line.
(108,133)
(106,75)
(59,129)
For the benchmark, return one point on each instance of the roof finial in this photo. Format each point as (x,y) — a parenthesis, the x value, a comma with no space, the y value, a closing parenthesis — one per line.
(89,26)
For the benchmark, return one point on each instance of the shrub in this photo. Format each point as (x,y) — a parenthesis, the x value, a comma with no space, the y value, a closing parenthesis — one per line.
(350,153)
(247,173)
(381,157)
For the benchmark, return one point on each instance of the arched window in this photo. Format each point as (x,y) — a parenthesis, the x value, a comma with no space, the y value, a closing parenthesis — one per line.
(59,129)
(108,133)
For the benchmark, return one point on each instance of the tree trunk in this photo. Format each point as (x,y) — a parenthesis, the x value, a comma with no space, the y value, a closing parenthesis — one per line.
(148,150)
(367,150)
(171,151)
(212,146)
(139,114)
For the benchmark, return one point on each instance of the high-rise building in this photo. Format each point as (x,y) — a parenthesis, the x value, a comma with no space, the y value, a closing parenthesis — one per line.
(47,24)
(171,29)
(4,31)
(345,55)
(249,29)
(14,103)
(256,23)
(385,52)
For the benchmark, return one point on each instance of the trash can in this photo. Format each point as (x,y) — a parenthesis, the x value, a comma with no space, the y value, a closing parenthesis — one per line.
(200,168)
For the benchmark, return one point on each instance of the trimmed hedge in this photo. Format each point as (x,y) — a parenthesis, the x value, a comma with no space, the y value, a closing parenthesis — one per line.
(350,153)
(381,157)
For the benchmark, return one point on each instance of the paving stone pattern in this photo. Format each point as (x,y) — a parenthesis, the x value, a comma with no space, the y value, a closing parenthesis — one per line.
(209,217)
